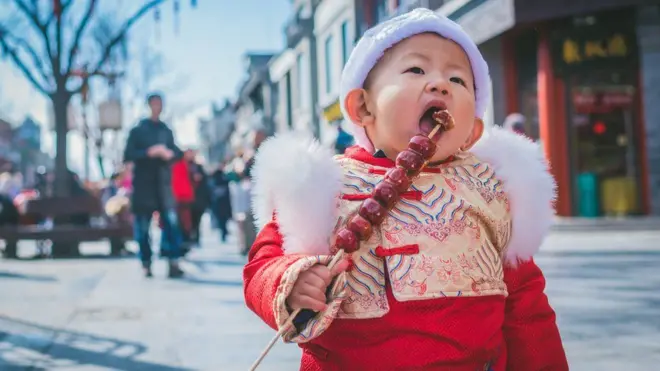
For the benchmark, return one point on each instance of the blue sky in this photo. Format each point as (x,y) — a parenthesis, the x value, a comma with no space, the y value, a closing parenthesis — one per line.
(206,55)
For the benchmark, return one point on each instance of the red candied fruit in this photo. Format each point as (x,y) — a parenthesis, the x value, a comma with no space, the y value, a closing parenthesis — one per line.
(386,194)
(422,145)
(444,119)
(412,162)
(361,227)
(373,211)
(346,240)
(399,179)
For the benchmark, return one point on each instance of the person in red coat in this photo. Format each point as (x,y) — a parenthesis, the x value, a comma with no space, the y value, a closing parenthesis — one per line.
(184,194)
(448,280)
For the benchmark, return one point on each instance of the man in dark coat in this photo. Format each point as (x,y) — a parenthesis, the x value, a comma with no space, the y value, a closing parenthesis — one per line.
(221,201)
(150,147)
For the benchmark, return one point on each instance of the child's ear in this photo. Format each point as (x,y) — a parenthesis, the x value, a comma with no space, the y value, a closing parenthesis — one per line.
(475,135)
(356,107)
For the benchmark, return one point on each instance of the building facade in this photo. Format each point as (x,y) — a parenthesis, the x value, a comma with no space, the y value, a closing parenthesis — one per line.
(256,103)
(585,75)
(215,132)
(335,31)
(294,73)
(20,149)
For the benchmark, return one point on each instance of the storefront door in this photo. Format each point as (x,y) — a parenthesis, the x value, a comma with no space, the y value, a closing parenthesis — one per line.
(604,143)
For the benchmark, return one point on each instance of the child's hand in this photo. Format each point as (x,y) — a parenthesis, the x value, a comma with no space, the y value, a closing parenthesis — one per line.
(309,290)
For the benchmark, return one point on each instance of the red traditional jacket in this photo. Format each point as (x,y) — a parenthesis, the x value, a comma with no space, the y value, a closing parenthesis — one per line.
(448,282)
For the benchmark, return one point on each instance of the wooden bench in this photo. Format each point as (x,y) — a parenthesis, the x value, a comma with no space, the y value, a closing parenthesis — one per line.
(65,235)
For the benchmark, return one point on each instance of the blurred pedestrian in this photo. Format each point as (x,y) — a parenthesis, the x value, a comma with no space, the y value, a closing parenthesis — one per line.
(515,122)
(200,183)
(184,196)
(151,149)
(221,203)
(248,229)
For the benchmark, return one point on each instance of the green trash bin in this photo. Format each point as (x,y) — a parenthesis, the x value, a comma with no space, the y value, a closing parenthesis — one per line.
(588,200)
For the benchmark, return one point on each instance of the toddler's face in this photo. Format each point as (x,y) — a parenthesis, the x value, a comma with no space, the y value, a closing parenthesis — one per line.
(416,76)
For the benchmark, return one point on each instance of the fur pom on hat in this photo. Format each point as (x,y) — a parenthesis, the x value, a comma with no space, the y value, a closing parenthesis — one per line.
(377,40)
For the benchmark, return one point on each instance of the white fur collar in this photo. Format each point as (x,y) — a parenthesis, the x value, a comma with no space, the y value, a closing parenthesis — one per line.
(298,178)
(531,189)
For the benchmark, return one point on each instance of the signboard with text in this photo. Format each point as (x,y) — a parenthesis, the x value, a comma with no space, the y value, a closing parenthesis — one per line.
(577,51)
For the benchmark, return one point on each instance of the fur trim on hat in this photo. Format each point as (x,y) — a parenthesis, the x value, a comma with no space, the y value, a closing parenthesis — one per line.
(383,36)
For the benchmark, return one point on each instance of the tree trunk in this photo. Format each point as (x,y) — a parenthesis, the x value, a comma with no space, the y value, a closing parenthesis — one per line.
(60,106)
(62,179)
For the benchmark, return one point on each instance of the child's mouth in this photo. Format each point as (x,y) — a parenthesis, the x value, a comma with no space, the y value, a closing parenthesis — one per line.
(431,118)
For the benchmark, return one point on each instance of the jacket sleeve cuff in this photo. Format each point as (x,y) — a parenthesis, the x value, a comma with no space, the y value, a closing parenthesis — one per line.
(317,325)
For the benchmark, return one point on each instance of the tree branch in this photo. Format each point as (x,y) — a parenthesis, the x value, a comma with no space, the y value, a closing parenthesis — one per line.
(65,5)
(13,54)
(33,16)
(78,35)
(123,31)
(57,60)
(20,42)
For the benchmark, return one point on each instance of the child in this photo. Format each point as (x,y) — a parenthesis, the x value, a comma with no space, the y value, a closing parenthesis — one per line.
(447,282)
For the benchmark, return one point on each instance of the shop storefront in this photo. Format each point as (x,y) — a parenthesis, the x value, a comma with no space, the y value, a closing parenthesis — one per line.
(577,81)
(596,56)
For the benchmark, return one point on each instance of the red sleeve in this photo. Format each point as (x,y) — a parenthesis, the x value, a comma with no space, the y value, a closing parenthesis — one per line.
(263,272)
(530,328)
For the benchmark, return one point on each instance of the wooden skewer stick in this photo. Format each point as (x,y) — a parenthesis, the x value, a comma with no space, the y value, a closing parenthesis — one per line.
(289,322)
(435,130)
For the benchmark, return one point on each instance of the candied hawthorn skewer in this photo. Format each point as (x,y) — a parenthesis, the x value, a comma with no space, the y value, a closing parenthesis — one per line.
(444,119)
(372,212)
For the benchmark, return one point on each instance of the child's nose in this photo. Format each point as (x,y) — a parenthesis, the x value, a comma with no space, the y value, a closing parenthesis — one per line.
(438,86)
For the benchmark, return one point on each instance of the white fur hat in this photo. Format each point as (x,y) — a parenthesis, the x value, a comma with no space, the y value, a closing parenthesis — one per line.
(383,36)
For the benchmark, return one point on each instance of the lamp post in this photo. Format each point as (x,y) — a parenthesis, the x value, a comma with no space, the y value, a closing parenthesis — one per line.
(109,113)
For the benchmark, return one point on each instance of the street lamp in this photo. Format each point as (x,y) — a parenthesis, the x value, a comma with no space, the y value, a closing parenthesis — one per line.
(109,113)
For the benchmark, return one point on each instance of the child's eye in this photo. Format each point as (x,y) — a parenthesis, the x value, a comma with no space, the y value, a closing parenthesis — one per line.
(458,80)
(415,70)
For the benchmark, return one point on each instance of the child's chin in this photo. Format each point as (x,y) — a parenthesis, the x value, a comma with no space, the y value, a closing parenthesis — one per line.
(443,153)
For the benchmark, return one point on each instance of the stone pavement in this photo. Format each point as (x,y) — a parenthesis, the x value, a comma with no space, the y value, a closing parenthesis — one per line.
(605,288)
(100,314)
(621,224)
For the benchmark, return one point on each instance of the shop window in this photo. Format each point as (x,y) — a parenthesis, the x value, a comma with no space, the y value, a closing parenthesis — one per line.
(288,98)
(527,67)
(328,64)
(604,142)
(302,77)
(381,11)
(345,42)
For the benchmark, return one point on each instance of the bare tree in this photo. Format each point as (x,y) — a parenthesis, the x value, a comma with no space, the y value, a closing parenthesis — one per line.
(54,64)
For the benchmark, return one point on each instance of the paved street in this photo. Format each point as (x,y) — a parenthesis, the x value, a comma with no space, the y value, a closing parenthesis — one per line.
(100,314)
